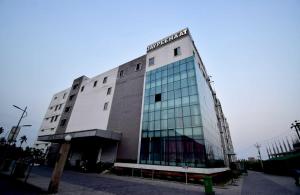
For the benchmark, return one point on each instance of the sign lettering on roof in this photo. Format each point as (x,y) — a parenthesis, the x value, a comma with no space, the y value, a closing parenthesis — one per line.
(168,39)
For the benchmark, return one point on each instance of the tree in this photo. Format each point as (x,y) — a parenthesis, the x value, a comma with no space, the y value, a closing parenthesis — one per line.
(1,130)
(23,139)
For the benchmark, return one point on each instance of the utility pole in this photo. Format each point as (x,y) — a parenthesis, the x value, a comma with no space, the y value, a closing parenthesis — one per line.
(22,116)
(258,149)
(296,126)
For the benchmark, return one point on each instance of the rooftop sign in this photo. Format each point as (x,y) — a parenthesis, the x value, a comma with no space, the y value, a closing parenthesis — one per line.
(168,39)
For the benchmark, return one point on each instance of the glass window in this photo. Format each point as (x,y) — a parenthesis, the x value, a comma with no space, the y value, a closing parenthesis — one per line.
(157,115)
(177,93)
(171,103)
(188,132)
(184,92)
(196,121)
(145,117)
(197,132)
(152,91)
(164,114)
(172,133)
(152,76)
(157,105)
(185,101)
(191,73)
(164,73)
(158,83)
(151,116)
(147,86)
(190,65)
(170,70)
(157,125)
(178,112)
(164,124)
(157,97)
(145,134)
(170,95)
(183,67)
(146,108)
(164,105)
(121,73)
(186,111)
(171,123)
(151,107)
(179,123)
(152,99)
(164,96)
(183,75)
(170,86)
(187,121)
(164,88)
(164,133)
(177,51)
(171,113)
(179,132)
(176,77)
(193,99)
(105,106)
(176,69)
(138,67)
(104,80)
(177,102)
(184,83)
(192,90)
(146,100)
(195,110)
(176,85)
(145,125)
(151,61)
(158,75)
(95,83)
(151,125)
(170,79)
(192,81)
(108,91)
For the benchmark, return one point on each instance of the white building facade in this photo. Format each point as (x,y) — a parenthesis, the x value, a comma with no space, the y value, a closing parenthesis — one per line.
(158,109)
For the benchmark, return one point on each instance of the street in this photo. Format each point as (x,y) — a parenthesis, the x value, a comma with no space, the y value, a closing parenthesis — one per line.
(92,183)
(260,183)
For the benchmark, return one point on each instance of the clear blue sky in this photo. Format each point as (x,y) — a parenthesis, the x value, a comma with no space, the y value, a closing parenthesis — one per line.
(251,49)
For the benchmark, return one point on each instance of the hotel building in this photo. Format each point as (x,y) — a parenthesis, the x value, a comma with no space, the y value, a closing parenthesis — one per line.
(158,109)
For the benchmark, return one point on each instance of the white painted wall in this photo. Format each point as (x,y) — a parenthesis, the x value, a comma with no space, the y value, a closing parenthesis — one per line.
(48,127)
(88,110)
(165,54)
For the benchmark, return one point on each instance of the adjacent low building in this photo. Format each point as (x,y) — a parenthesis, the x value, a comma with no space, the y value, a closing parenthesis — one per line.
(158,109)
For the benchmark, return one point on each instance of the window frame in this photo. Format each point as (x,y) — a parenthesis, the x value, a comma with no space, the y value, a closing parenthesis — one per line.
(105,107)
(151,61)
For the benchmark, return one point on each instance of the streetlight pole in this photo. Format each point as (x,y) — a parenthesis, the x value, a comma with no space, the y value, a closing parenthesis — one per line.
(258,149)
(22,116)
(297,128)
(59,165)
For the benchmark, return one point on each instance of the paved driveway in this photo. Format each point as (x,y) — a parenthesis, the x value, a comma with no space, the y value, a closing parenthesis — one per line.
(260,183)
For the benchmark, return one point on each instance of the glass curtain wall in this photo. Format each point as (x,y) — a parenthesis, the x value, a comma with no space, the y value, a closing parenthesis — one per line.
(172,130)
(211,131)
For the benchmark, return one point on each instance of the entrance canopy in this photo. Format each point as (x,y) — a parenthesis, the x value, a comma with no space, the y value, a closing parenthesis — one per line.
(78,135)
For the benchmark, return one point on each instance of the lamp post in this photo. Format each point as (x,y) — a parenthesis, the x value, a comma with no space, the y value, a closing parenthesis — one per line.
(59,165)
(297,128)
(22,116)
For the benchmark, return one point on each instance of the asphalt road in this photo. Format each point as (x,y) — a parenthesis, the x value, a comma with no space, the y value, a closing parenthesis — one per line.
(260,183)
(9,186)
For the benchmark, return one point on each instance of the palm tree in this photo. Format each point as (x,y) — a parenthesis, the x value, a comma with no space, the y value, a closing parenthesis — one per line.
(23,139)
